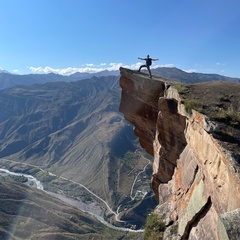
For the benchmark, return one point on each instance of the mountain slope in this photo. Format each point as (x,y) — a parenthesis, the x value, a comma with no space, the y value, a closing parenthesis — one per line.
(65,126)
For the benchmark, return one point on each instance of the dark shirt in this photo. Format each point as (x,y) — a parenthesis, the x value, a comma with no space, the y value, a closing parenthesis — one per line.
(148,61)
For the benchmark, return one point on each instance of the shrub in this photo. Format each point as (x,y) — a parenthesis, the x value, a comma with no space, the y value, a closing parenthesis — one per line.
(182,88)
(21,179)
(190,104)
(154,228)
(230,116)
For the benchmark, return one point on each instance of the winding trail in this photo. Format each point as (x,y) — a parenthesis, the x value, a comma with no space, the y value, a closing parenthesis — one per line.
(134,182)
(81,185)
(108,207)
(116,214)
(39,186)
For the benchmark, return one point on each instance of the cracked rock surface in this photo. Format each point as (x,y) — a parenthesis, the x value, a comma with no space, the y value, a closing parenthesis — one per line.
(194,176)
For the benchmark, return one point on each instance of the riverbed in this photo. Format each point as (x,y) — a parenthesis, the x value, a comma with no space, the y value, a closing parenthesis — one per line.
(92,208)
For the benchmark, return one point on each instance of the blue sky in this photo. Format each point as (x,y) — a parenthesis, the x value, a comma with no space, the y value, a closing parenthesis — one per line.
(65,36)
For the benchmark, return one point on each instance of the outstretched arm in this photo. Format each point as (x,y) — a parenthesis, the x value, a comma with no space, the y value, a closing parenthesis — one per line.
(155,59)
(141,58)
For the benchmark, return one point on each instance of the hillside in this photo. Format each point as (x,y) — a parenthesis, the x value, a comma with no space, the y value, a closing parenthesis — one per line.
(63,125)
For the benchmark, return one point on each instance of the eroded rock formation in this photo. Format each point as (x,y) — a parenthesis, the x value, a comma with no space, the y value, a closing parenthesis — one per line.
(194,178)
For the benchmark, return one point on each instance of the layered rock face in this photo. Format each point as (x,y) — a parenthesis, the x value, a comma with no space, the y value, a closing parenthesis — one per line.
(194,178)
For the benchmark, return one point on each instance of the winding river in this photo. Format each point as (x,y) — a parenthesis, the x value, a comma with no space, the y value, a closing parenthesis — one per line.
(32,181)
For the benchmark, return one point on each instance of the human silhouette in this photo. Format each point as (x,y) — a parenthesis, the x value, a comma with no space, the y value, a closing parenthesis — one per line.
(147,64)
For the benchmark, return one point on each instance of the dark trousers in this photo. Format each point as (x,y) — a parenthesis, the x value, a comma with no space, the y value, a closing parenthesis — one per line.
(148,68)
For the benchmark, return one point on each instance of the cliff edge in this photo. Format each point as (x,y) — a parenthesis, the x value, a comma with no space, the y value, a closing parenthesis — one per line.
(194,139)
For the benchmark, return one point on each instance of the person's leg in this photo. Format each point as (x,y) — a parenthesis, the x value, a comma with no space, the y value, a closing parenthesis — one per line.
(141,67)
(150,74)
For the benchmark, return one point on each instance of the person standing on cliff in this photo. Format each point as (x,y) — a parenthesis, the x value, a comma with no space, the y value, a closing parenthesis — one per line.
(147,64)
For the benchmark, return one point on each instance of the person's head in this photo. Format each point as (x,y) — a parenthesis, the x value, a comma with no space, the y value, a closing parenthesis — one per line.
(148,56)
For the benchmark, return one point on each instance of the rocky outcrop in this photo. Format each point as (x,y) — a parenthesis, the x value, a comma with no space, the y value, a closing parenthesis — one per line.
(194,178)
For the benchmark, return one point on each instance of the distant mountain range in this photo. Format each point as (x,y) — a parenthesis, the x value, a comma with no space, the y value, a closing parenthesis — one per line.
(181,76)
(8,80)
(3,71)
(79,75)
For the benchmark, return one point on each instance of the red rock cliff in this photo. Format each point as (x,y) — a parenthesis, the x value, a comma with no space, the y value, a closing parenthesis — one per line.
(194,177)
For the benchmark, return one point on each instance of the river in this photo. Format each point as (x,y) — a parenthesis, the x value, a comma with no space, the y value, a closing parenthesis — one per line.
(32,181)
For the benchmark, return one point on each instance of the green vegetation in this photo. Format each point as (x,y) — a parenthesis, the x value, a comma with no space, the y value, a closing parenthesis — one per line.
(21,179)
(182,88)
(154,228)
(33,171)
(230,116)
(191,103)
(117,197)
(188,101)
(130,159)
(44,176)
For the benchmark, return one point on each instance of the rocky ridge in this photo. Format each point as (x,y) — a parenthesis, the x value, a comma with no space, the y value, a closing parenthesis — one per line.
(195,177)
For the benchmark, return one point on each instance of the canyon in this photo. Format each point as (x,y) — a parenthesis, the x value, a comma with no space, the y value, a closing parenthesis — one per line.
(67,136)
(196,152)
